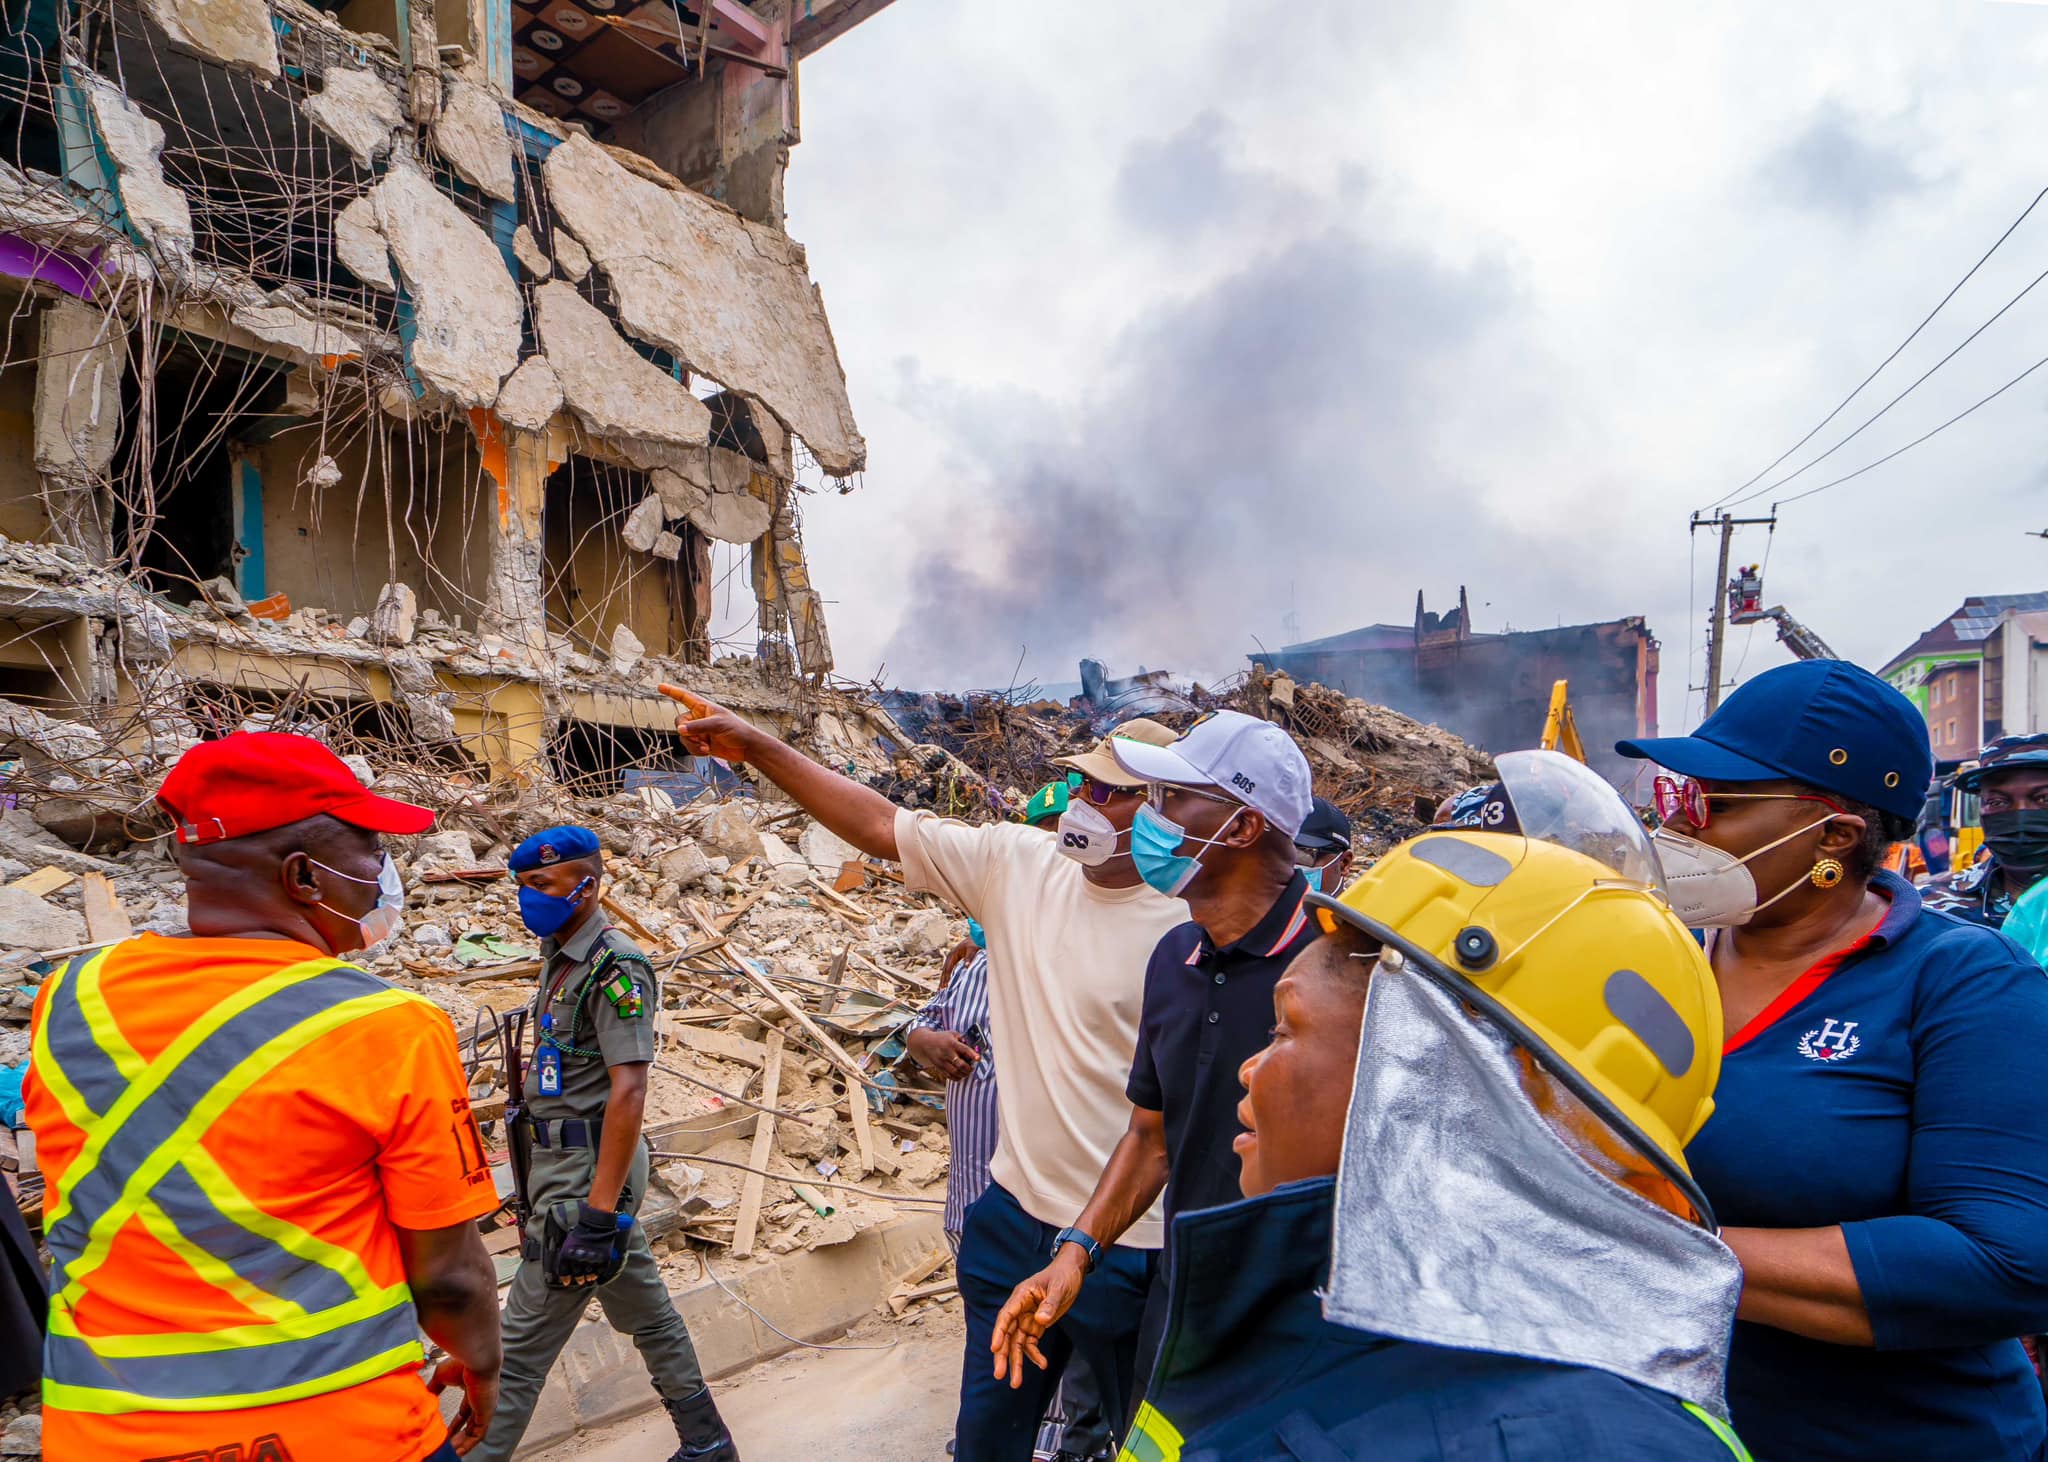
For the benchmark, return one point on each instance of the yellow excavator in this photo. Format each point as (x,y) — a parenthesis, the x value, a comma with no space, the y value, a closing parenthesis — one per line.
(1560,731)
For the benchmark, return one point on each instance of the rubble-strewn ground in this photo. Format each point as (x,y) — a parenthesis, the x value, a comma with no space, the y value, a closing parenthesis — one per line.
(812,1404)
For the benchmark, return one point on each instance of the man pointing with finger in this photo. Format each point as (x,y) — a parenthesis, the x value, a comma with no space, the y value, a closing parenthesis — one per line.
(1069,924)
(1227,802)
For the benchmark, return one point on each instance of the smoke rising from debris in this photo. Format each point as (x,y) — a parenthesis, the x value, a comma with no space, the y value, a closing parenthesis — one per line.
(1297,421)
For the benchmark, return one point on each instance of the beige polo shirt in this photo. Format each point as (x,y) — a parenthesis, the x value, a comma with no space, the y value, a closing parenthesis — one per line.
(1066,965)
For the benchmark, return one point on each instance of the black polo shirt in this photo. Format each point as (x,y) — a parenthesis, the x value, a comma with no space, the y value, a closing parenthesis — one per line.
(1207,1011)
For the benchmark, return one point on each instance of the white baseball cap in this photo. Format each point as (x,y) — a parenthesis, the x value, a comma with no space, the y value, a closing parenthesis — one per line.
(1246,759)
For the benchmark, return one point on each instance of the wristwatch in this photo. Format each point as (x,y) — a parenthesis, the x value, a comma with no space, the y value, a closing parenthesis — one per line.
(1089,1247)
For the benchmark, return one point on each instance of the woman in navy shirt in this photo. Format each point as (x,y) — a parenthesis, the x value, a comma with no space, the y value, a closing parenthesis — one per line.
(1878,1152)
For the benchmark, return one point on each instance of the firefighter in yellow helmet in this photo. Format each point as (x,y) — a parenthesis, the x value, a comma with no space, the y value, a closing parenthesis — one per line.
(1468,1229)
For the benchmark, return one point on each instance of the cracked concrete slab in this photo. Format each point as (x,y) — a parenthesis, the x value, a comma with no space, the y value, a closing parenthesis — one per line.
(714,506)
(531,397)
(358,110)
(731,299)
(233,32)
(614,390)
(360,246)
(155,206)
(574,262)
(471,135)
(531,256)
(284,326)
(466,307)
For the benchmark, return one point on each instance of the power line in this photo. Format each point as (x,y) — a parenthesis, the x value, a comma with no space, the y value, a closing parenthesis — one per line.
(1966,411)
(1774,464)
(1801,472)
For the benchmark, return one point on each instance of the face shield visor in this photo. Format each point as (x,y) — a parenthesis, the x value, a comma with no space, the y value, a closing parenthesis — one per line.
(1564,803)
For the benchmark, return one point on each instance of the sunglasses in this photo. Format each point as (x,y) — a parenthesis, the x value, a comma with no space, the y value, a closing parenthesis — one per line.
(1676,795)
(1099,793)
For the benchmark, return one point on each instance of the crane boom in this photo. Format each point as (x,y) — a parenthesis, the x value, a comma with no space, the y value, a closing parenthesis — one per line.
(1795,636)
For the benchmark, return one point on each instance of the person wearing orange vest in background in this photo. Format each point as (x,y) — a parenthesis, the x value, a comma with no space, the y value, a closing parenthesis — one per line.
(263,1173)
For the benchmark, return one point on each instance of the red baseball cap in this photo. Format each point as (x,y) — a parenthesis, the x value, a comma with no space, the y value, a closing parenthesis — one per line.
(252,781)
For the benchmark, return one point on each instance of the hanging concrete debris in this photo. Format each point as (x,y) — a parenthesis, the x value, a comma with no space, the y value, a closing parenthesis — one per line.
(725,512)
(615,391)
(531,256)
(467,309)
(158,210)
(470,134)
(359,110)
(531,395)
(687,272)
(570,255)
(359,244)
(287,326)
(233,32)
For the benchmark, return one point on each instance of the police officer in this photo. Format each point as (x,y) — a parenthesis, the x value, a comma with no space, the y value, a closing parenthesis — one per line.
(585,1088)
(2011,783)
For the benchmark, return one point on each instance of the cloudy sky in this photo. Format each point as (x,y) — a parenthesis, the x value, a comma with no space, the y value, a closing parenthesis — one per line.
(1162,331)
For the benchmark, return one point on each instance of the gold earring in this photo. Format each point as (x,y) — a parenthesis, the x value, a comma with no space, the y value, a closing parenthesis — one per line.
(1827,873)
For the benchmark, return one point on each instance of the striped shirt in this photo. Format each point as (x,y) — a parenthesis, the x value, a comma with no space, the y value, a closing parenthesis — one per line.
(971,1102)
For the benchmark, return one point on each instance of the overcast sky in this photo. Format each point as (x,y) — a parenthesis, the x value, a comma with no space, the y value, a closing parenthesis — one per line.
(1162,326)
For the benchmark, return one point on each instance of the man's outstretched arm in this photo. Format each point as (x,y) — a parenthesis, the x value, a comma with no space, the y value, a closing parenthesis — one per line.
(1134,1178)
(860,815)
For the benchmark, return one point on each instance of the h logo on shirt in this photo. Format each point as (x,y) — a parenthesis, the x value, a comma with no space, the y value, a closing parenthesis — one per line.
(1834,1040)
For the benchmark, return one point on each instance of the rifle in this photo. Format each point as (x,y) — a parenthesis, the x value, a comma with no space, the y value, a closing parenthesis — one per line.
(518,1137)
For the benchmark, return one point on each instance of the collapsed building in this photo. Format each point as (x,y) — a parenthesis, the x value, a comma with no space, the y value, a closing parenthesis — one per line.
(432,370)
(1494,689)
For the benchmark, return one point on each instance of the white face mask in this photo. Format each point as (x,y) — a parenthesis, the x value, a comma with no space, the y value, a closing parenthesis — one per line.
(382,922)
(1710,888)
(1086,835)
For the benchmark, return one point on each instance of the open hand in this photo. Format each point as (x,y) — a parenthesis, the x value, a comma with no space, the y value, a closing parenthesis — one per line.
(943,1053)
(1034,1307)
(708,729)
(479,1400)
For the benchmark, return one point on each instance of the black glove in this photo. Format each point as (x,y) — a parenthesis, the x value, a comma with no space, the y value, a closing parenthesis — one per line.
(587,1251)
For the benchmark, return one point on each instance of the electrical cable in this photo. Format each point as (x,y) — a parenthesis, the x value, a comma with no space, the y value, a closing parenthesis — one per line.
(1843,406)
(704,1263)
(1772,487)
(1935,431)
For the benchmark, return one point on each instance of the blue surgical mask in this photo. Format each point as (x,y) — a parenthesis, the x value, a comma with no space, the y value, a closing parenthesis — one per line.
(1155,839)
(544,913)
(977,934)
(1315,878)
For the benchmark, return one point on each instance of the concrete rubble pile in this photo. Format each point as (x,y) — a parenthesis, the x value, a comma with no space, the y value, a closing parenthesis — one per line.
(983,754)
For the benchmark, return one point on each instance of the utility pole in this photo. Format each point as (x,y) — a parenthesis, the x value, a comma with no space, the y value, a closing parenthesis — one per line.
(1717,633)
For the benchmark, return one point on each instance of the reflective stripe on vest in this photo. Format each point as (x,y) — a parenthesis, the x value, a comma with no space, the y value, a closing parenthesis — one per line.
(1722,1430)
(1153,1438)
(325,1324)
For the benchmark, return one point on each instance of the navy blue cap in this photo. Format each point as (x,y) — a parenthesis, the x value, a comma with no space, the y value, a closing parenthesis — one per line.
(1826,723)
(2006,754)
(552,845)
(1326,829)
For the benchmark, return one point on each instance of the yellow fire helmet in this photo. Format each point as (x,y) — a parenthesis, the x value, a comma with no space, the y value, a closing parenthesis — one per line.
(1562,937)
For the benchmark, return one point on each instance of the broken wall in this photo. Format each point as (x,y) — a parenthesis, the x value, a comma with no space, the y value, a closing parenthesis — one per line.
(346,513)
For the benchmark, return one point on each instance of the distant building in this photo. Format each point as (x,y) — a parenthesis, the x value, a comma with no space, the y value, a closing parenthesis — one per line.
(1494,689)
(1973,675)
